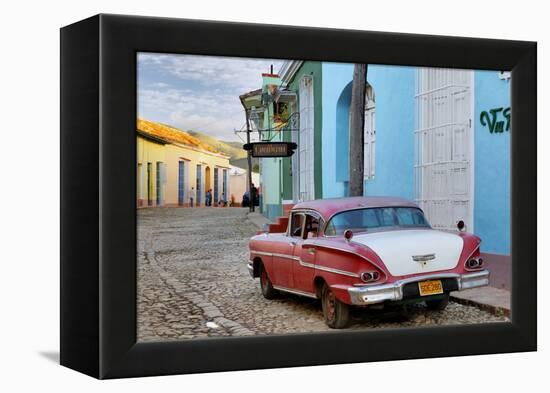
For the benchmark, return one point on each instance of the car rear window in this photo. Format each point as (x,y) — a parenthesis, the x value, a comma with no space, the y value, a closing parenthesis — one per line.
(382,218)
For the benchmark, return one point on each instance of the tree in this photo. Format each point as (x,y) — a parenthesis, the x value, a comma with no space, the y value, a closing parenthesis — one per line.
(356,126)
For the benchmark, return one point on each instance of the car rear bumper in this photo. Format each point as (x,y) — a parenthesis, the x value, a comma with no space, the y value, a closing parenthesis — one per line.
(401,289)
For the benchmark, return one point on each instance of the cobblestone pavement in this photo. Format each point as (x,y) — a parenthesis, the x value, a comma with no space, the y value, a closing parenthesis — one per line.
(193,283)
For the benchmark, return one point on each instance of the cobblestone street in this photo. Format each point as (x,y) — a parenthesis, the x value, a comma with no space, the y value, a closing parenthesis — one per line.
(193,283)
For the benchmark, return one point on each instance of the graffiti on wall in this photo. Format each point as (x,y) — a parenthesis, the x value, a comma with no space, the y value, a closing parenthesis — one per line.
(497,119)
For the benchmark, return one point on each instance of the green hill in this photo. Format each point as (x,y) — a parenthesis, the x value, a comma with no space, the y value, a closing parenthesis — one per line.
(233,149)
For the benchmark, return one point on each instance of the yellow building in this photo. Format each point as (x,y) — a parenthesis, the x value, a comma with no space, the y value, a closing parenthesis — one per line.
(173,167)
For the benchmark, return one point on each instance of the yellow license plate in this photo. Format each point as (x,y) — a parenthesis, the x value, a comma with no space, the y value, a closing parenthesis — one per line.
(432,287)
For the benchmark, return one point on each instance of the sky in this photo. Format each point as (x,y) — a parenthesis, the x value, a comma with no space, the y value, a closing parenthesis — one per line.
(199,93)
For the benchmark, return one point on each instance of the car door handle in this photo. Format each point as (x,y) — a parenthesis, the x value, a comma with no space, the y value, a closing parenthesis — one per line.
(293,242)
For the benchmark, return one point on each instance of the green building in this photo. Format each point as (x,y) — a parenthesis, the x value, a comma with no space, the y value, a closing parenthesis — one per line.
(287,108)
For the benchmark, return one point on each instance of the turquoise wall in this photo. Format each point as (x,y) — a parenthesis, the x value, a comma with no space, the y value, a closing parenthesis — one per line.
(394,170)
(492,165)
(394,129)
(336,78)
(271,187)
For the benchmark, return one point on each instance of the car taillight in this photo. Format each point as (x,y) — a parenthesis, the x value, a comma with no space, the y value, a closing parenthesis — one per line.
(370,276)
(474,263)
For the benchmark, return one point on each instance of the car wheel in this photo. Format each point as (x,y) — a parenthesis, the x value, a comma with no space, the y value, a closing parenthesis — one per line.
(438,304)
(335,312)
(265,284)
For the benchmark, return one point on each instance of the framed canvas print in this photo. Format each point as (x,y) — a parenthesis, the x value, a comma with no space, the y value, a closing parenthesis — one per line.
(240,196)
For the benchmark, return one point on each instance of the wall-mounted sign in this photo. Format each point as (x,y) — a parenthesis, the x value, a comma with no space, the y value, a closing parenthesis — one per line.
(271,149)
(497,119)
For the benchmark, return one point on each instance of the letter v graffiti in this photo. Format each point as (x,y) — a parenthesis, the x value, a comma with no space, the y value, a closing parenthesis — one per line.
(490,119)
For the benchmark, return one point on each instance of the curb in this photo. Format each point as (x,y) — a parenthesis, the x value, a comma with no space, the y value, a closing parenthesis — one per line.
(258,220)
(490,308)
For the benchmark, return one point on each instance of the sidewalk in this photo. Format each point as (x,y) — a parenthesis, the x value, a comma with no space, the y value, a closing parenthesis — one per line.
(493,300)
(259,220)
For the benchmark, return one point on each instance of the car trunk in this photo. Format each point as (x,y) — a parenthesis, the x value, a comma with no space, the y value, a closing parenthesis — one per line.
(414,251)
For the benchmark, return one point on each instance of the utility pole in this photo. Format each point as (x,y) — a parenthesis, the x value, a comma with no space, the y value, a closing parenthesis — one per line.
(251,193)
(356,133)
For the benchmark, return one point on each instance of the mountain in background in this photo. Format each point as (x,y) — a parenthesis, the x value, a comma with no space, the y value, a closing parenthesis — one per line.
(233,149)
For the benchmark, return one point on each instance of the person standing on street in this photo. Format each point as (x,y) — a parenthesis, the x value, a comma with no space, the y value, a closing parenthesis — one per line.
(191,196)
(254,195)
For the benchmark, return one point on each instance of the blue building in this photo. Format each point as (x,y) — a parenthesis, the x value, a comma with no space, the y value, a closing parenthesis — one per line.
(437,136)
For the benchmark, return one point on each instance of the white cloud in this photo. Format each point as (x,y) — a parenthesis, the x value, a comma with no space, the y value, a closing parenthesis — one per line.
(215,114)
(242,74)
(198,93)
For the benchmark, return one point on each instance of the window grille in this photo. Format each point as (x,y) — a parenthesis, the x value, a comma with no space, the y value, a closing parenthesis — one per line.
(443,140)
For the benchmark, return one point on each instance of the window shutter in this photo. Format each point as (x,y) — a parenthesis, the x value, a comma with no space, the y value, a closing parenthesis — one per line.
(306,139)
(443,135)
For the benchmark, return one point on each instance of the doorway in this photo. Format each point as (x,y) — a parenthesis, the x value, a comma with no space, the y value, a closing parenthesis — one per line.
(149,184)
(216,186)
(181,183)
(198,185)
(207,184)
(159,183)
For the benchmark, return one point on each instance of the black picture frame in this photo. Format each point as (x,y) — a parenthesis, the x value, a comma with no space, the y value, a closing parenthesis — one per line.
(98,207)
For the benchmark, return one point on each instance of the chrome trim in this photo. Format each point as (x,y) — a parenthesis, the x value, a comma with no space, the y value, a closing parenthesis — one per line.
(261,253)
(423,258)
(306,264)
(274,254)
(304,211)
(474,280)
(328,269)
(477,248)
(336,271)
(250,267)
(474,251)
(351,252)
(380,293)
(310,265)
(295,292)
(286,256)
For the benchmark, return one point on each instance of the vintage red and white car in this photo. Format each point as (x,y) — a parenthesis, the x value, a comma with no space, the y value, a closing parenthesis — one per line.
(363,251)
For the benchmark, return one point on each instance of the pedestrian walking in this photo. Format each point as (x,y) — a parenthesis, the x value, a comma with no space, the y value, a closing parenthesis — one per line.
(191,196)
(222,201)
(209,197)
